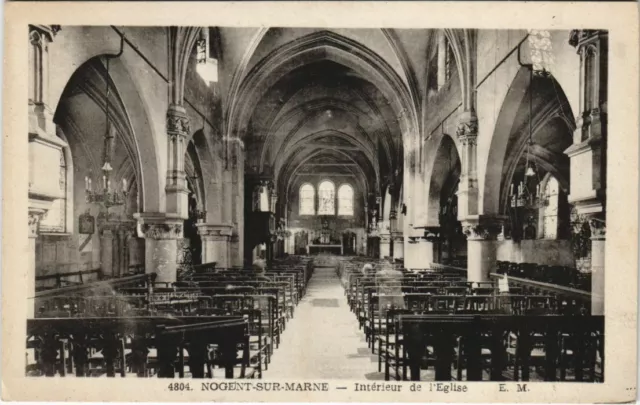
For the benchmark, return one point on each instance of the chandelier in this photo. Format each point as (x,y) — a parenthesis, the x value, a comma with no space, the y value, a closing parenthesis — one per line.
(525,196)
(106,194)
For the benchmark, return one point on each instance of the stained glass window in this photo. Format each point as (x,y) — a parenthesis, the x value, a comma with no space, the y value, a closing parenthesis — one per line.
(55,219)
(345,200)
(551,210)
(307,197)
(326,198)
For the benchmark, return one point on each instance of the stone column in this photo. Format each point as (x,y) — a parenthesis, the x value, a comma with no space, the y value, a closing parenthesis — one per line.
(398,245)
(385,245)
(106,252)
(114,251)
(598,238)
(235,148)
(393,224)
(588,157)
(482,246)
(44,145)
(215,243)
(35,216)
(429,246)
(467,133)
(161,232)
(176,189)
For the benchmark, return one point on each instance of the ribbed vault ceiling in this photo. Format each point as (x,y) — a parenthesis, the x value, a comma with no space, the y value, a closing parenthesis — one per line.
(324,117)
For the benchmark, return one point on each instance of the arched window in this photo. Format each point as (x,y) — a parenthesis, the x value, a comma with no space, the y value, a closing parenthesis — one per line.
(449,62)
(345,200)
(55,220)
(307,197)
(550,212)
(326,198)
(446,61)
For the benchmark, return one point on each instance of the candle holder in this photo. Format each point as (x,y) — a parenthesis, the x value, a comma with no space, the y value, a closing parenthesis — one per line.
(105,195)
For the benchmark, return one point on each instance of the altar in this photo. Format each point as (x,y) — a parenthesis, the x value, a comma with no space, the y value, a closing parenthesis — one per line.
(324,248)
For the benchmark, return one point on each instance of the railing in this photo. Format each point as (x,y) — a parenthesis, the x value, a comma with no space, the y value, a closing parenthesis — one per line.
(538,287)
(90,288)
(61,278)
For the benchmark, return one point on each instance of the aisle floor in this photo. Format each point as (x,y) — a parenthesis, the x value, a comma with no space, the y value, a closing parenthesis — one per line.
(323,340)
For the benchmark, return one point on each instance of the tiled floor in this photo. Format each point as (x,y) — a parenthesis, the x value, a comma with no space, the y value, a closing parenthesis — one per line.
(323,340)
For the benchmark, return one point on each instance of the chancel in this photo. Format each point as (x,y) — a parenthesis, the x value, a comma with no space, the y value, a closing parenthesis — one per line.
(358,204)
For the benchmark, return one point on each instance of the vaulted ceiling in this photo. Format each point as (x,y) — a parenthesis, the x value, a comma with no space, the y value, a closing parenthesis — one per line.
(324,101)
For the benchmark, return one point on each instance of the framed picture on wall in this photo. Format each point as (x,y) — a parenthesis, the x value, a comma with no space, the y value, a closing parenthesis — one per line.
(86,224)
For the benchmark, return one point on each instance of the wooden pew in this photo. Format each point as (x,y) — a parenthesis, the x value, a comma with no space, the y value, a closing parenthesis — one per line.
(127,342)
(571,345)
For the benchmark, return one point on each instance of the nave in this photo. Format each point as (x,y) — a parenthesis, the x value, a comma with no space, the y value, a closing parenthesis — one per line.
(324,341)
(186,183)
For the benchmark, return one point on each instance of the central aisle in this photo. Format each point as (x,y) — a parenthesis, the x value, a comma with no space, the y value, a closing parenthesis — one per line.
(323,340)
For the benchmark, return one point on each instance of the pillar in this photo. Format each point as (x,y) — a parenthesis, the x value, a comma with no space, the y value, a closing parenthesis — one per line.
(429,247)
(235,166)
(398,246)
(216,239)
(106,252)
(467,133)
(161,233)
(482,247)
(385,245)
(35,216)
(587,154)
(176,188)
(44,145)
(598,237)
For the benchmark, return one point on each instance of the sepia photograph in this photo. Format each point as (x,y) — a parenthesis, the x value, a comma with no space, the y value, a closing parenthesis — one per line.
(277,208)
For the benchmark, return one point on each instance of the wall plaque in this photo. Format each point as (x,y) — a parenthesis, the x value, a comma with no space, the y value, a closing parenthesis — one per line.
(86,224)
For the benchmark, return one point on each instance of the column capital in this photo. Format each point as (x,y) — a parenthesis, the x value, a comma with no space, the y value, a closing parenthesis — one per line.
(414,239)
(467,129)
(177,122)
(38,32)
(598,228)
(160,225)
(580,37)
(220,232)
(483,228)
(35,215)
(431,233)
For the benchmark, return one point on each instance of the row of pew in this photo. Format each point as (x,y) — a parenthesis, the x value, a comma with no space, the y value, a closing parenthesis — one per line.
(560,275)
(433,324)
(210,323)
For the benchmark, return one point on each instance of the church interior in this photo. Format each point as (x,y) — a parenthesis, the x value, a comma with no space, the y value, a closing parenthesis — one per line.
(363,204)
